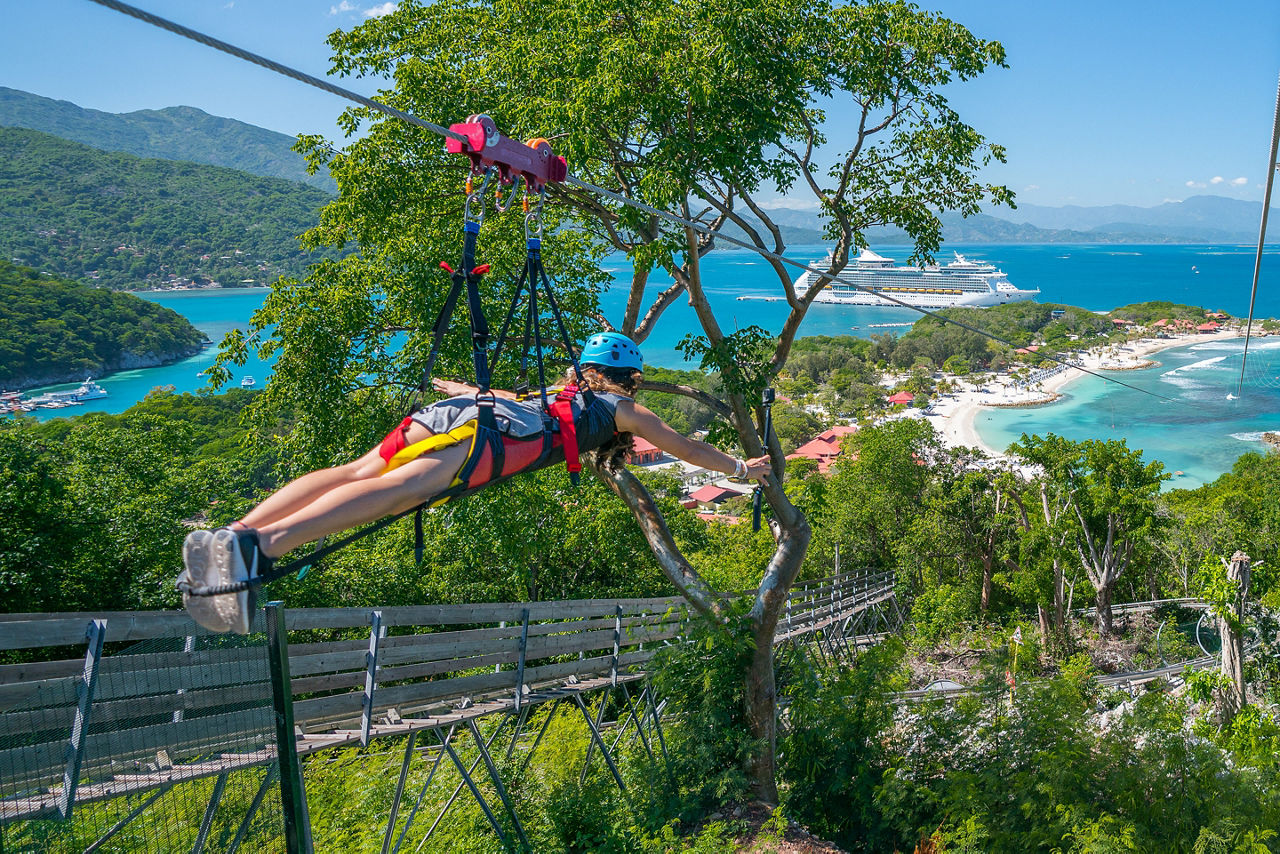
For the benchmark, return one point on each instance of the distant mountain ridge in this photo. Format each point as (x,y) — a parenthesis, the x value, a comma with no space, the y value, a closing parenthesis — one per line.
(173,133)
(128,222)
(1198,219)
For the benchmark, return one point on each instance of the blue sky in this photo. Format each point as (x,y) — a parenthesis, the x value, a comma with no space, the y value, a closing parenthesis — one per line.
(1120,102)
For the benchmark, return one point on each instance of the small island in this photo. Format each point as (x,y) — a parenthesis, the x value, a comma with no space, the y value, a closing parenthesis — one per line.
(54,331)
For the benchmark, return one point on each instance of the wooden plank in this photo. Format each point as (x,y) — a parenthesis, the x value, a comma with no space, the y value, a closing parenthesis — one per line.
(424,615)
(43,763)
(125,713)
(120,679)
(61,630)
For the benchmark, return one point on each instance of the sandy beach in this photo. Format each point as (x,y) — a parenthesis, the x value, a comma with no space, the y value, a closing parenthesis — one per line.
(954,414)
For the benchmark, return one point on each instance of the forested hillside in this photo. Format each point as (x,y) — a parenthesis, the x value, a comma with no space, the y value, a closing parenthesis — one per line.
(173,133)
(52,330)
(124,222)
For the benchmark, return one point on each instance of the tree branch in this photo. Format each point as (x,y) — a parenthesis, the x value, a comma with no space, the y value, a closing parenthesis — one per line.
(708,400)
(625,485)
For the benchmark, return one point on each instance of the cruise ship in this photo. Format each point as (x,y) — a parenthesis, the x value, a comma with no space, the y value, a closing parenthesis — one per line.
(961,283)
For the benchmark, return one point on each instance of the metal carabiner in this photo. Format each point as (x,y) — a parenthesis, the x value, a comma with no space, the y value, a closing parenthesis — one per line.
(534,217)
(477,196)
(511,199)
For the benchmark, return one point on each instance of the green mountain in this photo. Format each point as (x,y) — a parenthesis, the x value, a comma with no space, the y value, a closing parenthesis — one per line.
(123,222)
(174,133)
(52,330)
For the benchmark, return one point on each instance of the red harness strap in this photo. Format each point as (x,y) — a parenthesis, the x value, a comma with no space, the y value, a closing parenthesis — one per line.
(562,409)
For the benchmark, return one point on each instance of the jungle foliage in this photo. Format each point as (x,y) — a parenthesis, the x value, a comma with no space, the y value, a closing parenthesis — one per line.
(54,330)
(125,222)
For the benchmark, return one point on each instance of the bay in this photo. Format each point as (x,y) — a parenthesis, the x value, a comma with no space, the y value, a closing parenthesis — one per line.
(1198,432)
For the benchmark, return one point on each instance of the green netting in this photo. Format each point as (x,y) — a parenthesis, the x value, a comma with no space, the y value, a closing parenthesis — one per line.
(178,751)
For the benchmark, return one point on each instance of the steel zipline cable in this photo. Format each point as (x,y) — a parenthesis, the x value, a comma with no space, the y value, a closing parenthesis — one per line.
(319,83)
(1262,237)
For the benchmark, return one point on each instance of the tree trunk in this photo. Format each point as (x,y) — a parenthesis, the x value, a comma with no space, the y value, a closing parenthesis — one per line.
(1232,698)
(1104,610)
(762,718)
(1059,597)
(985,601)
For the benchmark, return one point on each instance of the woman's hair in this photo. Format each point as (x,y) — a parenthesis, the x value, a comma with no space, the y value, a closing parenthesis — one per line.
(624,381)
(606,379)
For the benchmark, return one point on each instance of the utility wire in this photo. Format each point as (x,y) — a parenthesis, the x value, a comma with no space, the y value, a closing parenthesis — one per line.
(1262,236)
(325,85)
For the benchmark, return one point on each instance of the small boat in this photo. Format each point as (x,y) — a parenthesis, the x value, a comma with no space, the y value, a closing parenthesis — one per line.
(89,390)
(248,382)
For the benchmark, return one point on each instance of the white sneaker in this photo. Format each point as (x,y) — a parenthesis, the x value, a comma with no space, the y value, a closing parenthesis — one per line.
(236,557)
(197,556)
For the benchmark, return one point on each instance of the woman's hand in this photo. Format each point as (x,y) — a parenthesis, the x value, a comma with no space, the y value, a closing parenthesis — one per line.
(451,388)
(759,468)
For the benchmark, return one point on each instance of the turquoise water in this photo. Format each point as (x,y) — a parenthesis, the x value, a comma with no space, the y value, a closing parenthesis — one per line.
(213,312)
(1199,432)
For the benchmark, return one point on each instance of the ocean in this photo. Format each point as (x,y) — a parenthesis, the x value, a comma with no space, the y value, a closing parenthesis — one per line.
(1197,431)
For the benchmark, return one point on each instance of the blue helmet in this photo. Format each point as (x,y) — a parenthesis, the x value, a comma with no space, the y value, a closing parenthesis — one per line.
(612,350)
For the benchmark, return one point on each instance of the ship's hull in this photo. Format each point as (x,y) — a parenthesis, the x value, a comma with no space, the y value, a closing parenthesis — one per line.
(871,280)
(852,296)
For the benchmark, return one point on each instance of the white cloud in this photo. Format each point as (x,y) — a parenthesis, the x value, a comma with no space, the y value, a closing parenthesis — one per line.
(379,11)
(344,6)
(1239,182)
(1030,187)
(1216,179)
(1197,185)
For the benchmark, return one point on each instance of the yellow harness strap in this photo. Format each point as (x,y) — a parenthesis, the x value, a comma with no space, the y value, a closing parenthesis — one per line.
(456,436)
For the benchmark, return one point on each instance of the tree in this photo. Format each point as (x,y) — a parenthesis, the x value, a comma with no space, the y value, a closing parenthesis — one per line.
(697,110)
(1110,499)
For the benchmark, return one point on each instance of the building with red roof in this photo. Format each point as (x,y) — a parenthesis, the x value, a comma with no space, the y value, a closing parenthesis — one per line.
(644,452)
(903,397)
(711,496)
(824,447)
(1208,327)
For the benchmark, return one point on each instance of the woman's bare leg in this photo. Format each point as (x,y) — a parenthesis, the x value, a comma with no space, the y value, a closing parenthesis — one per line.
(298,493)
(360,500)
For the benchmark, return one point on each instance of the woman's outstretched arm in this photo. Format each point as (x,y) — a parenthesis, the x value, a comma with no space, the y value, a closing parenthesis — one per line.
(634,418)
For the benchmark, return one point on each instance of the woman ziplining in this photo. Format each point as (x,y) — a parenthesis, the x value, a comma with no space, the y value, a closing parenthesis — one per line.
(456,446)
(425,460)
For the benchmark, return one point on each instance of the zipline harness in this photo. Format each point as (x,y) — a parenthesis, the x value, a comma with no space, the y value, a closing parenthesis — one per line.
(492,154)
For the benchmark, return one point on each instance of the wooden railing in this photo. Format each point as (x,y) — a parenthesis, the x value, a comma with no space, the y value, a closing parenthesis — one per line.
(155,700)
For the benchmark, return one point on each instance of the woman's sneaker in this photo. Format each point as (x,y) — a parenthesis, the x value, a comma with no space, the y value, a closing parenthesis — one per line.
(214,559)
(237,557)
(197,557)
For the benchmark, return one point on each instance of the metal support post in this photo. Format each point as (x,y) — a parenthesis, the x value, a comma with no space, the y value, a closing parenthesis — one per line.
(497,782)
(654,711)
(188,646)
(395,802)
(134,813)
(522,717)
(243,829)
(96,633)
(591,745)
(293,797)
(370,676)
(408,822)
(541,732)
(475,792)
(617,641)
(524,647)
(207,823)
(456,791)
(597,740)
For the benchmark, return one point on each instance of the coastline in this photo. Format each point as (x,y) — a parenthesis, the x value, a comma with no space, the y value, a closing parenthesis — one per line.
(956,413)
